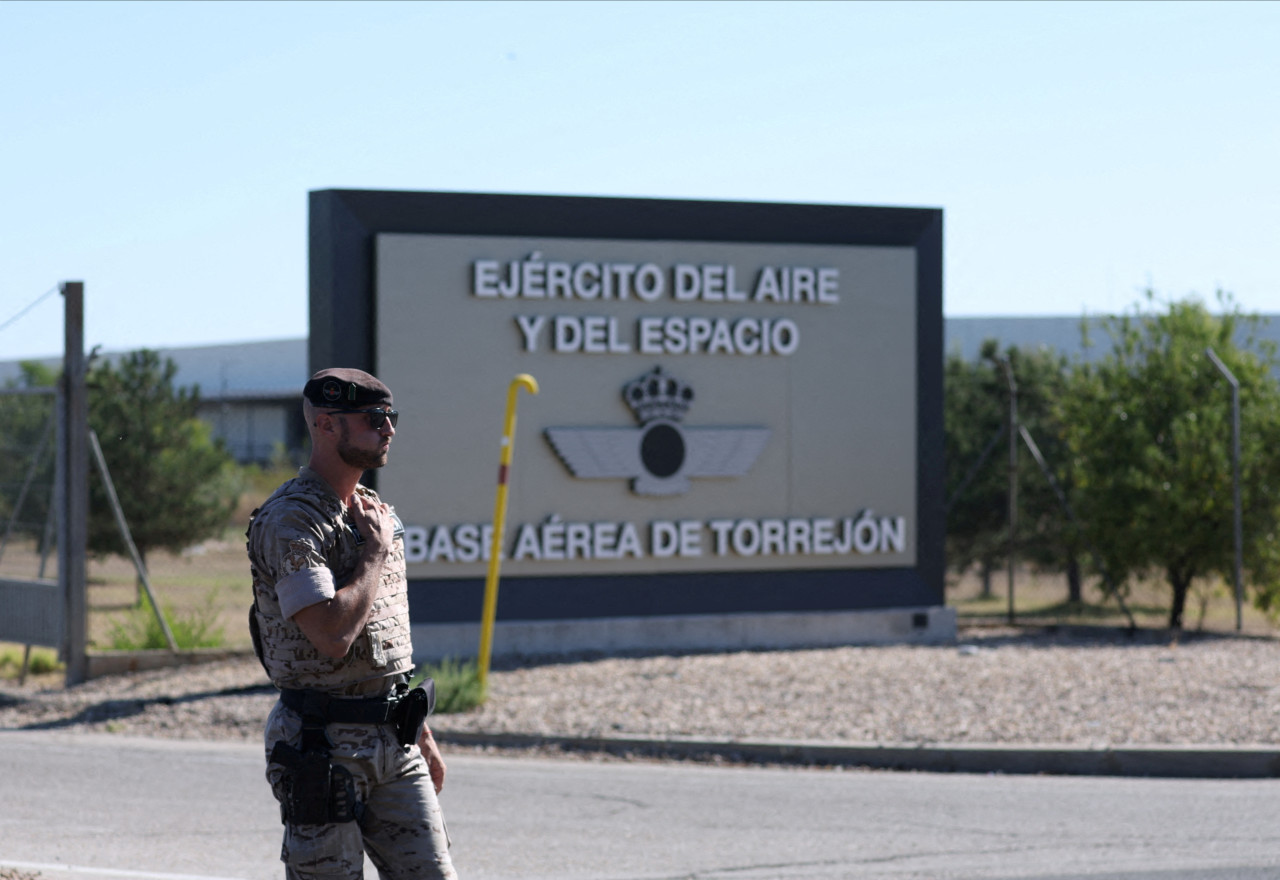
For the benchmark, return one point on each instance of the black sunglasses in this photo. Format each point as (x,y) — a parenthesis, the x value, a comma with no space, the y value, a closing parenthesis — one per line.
(377,417)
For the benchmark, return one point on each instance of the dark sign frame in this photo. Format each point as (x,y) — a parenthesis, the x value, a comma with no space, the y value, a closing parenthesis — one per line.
(343,228)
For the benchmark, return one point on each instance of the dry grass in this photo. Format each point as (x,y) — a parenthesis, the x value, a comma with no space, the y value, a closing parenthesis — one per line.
(1041,598)
(215,573)
(212,575)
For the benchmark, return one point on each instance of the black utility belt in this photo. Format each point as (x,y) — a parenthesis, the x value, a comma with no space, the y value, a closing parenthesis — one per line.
(390,708)
(313,789)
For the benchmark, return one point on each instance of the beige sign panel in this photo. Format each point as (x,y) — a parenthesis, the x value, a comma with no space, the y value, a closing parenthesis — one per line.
(703,406)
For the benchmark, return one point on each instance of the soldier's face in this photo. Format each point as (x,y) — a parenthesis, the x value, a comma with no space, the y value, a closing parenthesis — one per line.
(361,446)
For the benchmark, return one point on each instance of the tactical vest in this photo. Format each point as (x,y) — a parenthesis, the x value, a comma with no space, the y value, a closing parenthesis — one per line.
(382,650)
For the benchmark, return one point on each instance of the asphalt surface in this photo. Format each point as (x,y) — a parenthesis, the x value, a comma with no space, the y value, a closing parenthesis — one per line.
(93,806)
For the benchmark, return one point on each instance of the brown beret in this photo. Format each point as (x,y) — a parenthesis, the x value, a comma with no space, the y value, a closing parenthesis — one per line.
(343,388)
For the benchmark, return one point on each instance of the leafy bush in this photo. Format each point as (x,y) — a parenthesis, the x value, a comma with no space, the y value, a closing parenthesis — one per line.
(139,630)
(43,660)
(457,685)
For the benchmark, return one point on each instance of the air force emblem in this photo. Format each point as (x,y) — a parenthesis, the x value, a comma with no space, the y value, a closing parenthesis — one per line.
(661,455)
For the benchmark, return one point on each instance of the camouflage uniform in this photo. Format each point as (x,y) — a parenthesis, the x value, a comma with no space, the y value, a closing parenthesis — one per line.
(300,540)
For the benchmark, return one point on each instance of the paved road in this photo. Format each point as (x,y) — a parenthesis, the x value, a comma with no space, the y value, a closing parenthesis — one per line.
(97,807)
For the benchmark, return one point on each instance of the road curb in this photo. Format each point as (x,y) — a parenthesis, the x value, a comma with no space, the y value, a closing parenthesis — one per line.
(1172,761)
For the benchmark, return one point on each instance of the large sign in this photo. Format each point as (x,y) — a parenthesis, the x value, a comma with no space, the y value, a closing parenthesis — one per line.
(739,406)
(703,406)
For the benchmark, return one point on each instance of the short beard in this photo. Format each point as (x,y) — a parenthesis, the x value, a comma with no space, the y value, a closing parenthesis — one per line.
(365,459)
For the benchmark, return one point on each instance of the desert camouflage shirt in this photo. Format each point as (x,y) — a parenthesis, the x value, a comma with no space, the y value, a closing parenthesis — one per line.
(302,549)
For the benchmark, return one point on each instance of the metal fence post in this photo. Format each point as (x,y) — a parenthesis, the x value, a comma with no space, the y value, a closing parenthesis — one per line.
(1237,517)
(1013,477)
(73,525)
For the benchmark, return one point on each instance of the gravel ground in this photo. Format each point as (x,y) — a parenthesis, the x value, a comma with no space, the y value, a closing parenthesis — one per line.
(993,686)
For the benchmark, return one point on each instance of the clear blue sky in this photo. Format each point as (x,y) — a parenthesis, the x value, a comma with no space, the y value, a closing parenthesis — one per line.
(162,152)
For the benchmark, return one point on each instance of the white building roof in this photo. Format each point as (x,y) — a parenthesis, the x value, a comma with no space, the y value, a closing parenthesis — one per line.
(278,368)
(245,370)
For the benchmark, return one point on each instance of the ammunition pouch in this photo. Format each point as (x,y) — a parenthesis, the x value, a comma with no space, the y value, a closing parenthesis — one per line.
(315,791)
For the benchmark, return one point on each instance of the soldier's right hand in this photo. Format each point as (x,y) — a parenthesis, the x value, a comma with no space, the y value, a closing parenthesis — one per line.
(372,520)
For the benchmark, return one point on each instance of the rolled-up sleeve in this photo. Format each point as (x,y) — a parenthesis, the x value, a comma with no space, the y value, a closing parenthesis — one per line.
(304,588)
(291,551)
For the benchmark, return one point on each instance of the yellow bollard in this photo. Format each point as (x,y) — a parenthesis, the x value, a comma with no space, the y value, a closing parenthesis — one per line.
(530,384)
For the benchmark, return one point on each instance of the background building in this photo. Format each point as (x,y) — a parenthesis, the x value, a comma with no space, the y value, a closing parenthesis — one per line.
(249,391)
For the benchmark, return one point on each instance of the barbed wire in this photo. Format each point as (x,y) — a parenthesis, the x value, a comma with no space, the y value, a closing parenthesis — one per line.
(41,298)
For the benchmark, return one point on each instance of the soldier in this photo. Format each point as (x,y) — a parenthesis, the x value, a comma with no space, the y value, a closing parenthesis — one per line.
(349,754)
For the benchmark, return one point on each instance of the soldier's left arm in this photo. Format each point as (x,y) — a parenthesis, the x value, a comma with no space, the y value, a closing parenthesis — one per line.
(431,751)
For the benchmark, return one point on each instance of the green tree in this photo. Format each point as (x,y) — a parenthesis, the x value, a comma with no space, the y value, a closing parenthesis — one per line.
(1149,430)
(1046,536)
(977,397)
(176,485)
(977,521)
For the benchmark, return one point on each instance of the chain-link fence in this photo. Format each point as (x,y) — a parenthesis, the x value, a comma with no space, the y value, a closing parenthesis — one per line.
(28,501)
(44,498)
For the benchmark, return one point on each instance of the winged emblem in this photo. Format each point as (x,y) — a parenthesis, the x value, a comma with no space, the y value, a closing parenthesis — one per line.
(661,455)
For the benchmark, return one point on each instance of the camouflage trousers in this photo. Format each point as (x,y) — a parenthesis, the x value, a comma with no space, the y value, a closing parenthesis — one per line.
(402,828)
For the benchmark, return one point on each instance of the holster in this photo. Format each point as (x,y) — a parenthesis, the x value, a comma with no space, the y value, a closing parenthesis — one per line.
(413,709)
(315,792)
(308,785)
